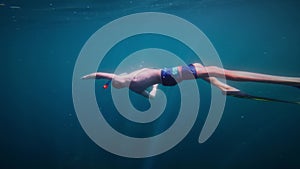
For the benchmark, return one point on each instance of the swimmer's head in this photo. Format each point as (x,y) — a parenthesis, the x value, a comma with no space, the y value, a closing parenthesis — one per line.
(119,82)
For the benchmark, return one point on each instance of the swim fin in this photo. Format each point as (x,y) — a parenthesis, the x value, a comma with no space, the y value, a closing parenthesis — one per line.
(240,94)
(297,87)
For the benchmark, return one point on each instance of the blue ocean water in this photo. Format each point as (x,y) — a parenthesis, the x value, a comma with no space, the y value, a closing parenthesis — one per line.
(40,42)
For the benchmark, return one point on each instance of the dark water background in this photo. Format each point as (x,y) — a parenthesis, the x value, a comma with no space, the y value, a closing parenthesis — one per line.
(40,42)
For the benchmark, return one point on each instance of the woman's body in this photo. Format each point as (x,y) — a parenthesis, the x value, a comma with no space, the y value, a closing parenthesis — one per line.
(138,81)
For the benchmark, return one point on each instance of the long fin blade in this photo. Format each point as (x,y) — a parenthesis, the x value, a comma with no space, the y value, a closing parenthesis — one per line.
(243,95)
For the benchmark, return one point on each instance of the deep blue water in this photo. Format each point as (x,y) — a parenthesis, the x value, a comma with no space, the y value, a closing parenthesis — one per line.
(40,42)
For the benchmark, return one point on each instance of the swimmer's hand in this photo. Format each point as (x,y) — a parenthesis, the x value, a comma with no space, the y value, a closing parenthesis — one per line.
(89,76)
(152,93)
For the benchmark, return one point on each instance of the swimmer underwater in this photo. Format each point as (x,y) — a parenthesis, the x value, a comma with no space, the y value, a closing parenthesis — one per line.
(140,80)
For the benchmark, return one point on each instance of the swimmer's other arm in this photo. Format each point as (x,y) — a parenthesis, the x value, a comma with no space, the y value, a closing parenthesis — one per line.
(151,94)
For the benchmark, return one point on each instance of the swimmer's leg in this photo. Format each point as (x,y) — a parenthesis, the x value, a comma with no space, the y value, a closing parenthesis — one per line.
(231,91)
(222,86)
(246,76)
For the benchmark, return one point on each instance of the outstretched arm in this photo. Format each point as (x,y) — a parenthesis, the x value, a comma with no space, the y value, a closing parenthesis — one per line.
(99,75)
